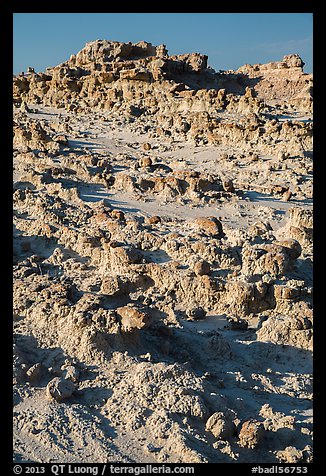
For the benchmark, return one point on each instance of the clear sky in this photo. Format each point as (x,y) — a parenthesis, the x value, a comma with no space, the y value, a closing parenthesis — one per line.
(229,39)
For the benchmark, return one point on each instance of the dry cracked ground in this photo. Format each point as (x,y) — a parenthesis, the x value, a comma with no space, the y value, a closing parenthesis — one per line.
(162,259)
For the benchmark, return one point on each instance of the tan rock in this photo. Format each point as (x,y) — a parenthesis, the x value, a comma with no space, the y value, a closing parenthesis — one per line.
(201,267)
(221,426)
(228,186)
(210,226)
(145,162)
(290,455)
(118,215)
(34,372)
(70,372)
(291,246)
(153,220)
(287,195)
(132,318)
(251,434)
(59,389)
(286,330)
(110,285)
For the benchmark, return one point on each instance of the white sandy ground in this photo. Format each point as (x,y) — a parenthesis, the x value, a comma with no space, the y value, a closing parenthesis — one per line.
(107,140)
(258,373)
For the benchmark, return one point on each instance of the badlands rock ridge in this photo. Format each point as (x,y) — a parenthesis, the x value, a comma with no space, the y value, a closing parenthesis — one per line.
(179,92)
(162,259)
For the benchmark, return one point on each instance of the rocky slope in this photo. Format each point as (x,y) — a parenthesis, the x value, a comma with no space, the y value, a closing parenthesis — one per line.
(162,259)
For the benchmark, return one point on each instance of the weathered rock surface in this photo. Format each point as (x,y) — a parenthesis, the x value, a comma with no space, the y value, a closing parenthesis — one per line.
(162,259)
(59,389)
(220,426)
(251,434)
(136,79)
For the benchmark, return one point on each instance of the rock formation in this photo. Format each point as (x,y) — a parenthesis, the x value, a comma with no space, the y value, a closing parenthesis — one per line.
(162,259)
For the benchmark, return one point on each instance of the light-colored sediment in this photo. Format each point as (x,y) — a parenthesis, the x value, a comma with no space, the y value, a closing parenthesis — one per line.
(162,260)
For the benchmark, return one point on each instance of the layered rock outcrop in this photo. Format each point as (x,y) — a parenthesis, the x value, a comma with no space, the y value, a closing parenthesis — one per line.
(180,93)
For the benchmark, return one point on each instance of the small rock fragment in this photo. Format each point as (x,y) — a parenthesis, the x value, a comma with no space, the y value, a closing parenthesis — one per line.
(287,195)
(196,314)
(71,373)
(202,267)
(118,214)
(280,189)
(151,448)
(154,220)
(292,247)
(220,426)
(24,107)
(132,318)
(34,372)
(254,157)
(251,433)
(228,186)
(59,389)
(210,226)
(145,162)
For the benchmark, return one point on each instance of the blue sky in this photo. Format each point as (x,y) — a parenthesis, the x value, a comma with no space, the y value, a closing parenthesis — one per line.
(229,39)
